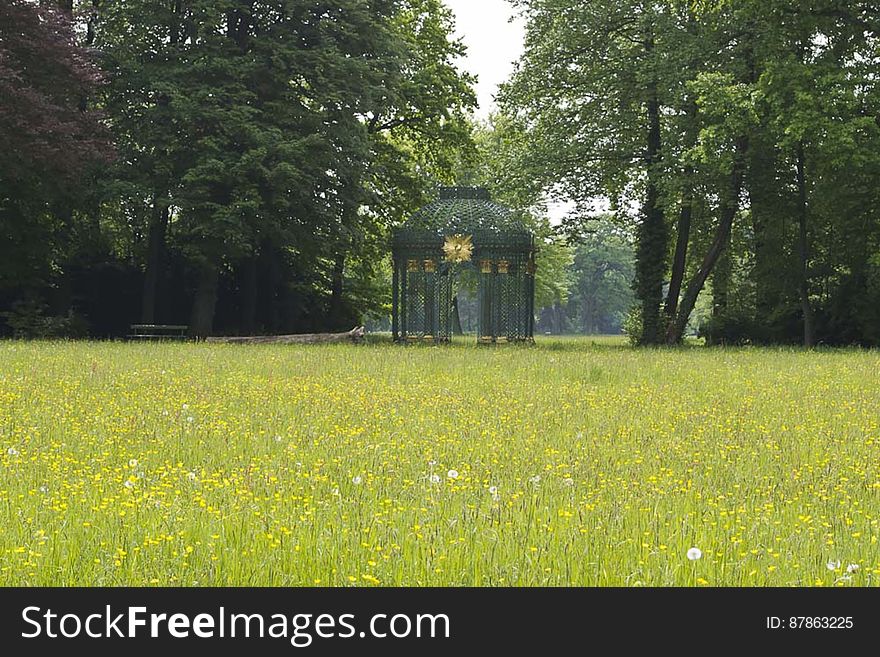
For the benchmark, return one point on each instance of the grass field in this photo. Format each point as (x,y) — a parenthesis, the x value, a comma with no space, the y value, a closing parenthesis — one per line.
(574,462)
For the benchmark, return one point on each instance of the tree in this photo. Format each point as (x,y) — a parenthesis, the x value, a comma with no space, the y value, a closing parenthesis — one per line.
(50,139)
(598,94)
(279,136)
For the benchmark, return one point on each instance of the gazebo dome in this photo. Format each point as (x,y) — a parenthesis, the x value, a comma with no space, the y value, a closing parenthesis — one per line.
(465,210)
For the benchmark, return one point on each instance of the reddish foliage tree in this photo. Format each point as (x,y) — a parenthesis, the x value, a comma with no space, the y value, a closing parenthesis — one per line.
(47,131)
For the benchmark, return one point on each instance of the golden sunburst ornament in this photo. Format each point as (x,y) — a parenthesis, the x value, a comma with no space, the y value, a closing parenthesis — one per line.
(458,248)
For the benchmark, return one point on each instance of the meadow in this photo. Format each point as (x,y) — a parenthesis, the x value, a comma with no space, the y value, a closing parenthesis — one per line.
(572,462)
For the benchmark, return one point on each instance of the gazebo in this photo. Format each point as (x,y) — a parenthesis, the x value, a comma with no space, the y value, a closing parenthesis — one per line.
(463,228)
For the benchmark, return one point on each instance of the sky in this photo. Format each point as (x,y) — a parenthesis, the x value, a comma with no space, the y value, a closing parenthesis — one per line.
(493,44)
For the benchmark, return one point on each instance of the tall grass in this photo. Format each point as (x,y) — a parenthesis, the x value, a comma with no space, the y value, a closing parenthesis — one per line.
(573,462)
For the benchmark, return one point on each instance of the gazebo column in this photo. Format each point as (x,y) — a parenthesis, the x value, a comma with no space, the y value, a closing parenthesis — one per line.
(395,299)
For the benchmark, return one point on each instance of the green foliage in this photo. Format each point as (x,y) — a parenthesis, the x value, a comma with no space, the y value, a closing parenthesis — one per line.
(767,114)
(28,318)
(265,150)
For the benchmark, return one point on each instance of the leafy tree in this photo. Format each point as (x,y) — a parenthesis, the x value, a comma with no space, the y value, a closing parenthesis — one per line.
(50,139)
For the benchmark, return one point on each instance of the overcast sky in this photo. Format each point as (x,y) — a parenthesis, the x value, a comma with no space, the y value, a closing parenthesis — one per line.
(493,44)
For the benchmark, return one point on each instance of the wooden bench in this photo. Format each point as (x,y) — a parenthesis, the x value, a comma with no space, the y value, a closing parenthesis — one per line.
(158,332)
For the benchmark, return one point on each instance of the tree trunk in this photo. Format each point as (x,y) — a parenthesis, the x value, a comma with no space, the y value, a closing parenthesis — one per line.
(336,290)
(205,301)
(679,260)
(249,292)
(722,236)
(456,317)
(155,257)
(651,248)
(763,197)
(721,281)
(804,250)
(354,335)
(683,226)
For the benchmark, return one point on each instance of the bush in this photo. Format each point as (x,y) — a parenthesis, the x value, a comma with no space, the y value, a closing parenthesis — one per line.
(632,325)
(28,319)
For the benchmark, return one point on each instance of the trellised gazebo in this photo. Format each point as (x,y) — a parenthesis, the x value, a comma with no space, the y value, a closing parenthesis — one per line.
(463,228)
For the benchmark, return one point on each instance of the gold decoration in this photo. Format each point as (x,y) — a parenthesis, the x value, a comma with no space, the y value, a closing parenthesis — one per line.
(485,266)
(430,266)
(503,266)
(458,248)
(412,265)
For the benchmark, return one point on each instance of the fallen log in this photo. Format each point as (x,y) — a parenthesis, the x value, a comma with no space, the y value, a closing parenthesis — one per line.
(354,335)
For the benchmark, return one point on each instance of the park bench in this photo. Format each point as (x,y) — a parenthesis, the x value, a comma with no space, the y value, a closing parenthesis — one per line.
(158,332)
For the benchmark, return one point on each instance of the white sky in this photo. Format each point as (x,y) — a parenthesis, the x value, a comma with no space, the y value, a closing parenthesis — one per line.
(493,44)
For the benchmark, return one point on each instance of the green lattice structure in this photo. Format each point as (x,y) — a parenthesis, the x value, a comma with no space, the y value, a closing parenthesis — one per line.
(425,275)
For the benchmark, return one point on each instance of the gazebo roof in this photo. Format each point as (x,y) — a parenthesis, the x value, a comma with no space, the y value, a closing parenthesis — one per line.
(465,210)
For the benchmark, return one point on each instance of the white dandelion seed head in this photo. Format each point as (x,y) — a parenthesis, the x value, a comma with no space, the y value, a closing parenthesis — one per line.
(493,490)
(435,479)
(12,451)
(535,480)
(832,564)
(132,463)
(277,439)
(335,492)
(191,476)
(694,553)
(129,483)
(432,463)
(853,567)
(189,418)
(452,474)
(185,406)
(568,481)
(44,489)
(356,480)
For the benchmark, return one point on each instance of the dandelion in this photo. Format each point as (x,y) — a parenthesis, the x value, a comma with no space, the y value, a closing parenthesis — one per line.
(694,553)
(832,565)
(452,474)
(132,463)
(356,480)
(435,479)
